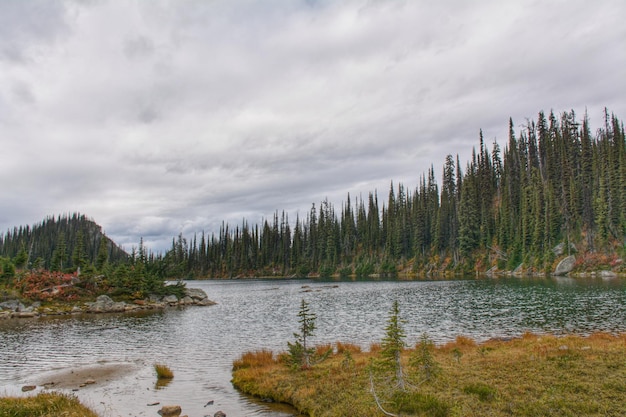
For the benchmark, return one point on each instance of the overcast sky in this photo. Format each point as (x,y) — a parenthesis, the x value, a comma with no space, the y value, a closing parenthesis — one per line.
(160,117)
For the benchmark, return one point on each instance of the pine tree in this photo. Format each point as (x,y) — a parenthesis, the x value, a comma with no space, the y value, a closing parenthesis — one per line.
(300,352)
(393,344)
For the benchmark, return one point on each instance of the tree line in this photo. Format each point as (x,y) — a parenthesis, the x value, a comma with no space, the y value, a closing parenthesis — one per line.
(554,182)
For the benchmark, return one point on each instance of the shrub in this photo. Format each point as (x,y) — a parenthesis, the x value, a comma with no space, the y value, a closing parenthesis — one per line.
(256,359)
(163,371)
(484,392)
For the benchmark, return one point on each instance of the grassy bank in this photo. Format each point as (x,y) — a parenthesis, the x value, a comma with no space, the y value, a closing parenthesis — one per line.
(49,404)
(530,376)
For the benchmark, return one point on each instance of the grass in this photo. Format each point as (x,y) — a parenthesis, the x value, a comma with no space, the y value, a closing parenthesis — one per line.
(163,371)
(49,404)
(535,375)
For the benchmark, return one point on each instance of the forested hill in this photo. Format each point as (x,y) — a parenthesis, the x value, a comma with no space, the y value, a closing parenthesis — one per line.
(554,182)
(60,243)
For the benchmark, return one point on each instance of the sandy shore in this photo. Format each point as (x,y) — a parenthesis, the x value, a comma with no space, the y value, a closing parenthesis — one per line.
(84,376)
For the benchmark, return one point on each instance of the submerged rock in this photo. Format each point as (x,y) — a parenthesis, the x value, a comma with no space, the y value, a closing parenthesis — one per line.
(170,411)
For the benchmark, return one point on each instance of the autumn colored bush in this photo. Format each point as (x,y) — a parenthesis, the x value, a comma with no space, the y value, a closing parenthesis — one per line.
(48,285)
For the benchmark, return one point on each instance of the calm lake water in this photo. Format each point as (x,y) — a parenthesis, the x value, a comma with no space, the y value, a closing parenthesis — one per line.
(200,343)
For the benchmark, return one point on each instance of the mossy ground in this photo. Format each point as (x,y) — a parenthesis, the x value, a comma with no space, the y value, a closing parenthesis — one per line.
(535,375)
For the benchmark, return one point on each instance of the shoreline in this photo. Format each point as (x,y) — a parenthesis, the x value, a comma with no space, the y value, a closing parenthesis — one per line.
(15,309)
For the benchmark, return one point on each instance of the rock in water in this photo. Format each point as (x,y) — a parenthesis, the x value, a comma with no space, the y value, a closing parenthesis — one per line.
(170,411)
(219,414)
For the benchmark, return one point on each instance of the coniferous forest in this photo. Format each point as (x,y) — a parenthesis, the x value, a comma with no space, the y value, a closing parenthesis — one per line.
(553,183)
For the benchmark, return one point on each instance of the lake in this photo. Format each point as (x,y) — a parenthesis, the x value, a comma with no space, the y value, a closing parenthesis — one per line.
(200,343)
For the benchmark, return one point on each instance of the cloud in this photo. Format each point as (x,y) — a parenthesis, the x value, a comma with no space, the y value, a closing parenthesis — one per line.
(156,118)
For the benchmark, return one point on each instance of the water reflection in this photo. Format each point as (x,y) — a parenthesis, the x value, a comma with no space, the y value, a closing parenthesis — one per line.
(199,344)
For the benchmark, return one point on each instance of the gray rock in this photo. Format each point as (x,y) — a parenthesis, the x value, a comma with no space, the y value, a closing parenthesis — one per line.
(186,300)
(104,304)
(608,274)
(9,305)
(12,305)
(170,299)
(205,302)
(24,314)
(565,266)
(195,293)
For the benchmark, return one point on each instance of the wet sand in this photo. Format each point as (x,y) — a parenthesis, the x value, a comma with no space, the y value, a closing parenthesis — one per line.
(85,376)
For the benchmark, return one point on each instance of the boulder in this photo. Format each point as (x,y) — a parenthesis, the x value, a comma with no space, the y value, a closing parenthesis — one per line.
(104,304)
(565,266)
(12,305)
(170,299)
(205,302)
(186,300)
(195,293)
(608,274)
(219,414)
(170,411)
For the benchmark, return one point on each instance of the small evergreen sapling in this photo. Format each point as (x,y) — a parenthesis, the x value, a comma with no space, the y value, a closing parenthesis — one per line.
(423,361)
(393,344)
(301,354)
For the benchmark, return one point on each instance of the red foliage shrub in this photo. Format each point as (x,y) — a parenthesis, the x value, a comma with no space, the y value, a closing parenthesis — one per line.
(48,285)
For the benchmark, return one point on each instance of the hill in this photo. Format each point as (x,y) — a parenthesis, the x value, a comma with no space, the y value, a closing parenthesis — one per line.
(60,243)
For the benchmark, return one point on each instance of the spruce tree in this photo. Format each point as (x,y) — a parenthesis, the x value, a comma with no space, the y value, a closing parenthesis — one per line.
(393,344)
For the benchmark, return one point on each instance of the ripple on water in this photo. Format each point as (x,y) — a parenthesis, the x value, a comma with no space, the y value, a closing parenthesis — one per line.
(200,344)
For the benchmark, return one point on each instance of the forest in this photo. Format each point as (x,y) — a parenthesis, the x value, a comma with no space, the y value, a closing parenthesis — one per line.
(553,182)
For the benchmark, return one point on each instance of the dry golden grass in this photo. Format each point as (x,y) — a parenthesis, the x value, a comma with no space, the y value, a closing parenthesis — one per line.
(535,375)
(347,347)
(163,371)
(49,404)
(254,359)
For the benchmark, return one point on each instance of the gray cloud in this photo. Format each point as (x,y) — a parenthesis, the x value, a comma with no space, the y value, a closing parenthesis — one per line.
(156,118)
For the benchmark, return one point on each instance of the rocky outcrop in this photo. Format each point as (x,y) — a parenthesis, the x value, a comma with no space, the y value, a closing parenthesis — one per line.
(198,297)
(104,304)
(565,266)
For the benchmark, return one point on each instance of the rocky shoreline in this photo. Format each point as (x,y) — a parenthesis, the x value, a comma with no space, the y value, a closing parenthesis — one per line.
(104,304)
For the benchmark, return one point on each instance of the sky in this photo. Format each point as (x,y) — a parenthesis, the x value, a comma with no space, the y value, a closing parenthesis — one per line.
(161,117)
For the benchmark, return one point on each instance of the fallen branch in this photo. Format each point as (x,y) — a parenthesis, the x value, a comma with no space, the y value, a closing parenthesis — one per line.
(387,413)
